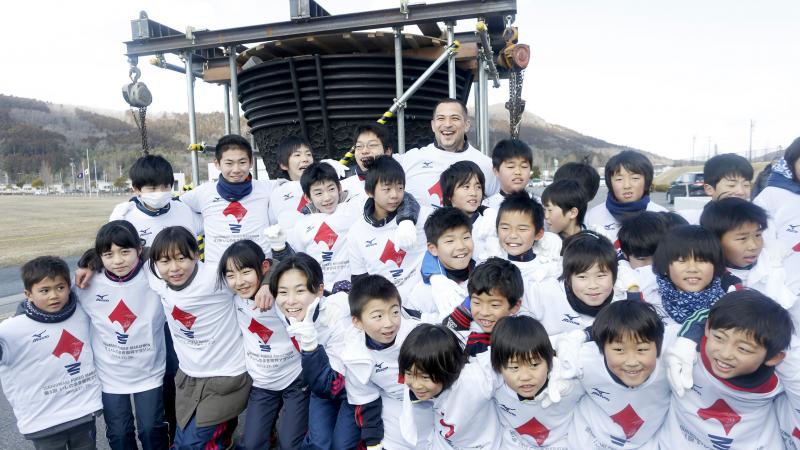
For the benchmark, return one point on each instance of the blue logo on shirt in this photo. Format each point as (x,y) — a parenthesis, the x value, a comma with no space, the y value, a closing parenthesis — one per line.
(570,319)
(40,336)
(122,338)
(370,243)
(601,394)
(101,298)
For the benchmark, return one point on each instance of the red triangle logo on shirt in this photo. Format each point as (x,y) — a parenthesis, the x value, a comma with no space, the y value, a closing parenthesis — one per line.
(451,429)
(236,210)
(628,420)
(69,344)
(436,189)
(327,235)
(259,330)
(185,318)
(123,315)
(723,413)
(535,429)
(389,254)
(294,342)
(796,247)
(302,204)
(796,432)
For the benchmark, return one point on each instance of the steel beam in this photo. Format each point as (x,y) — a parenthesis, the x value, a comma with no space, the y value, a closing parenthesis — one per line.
(192,123)
(451,64)
(227,108)
(449,11)
(398,92)
(235,128)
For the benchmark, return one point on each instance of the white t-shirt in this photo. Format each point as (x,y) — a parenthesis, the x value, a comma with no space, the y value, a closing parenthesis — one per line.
(612,415)
(547,303)
(354,185)
(203,324)
(127,333)
(372,251)
(286,204)
(148,224)
(273,360)
(47,371)
(228,222)
(715,414)
(598,217)
(423,167)
(783,230)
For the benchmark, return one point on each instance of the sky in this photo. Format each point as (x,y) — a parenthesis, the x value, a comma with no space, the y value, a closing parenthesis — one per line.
(675,78)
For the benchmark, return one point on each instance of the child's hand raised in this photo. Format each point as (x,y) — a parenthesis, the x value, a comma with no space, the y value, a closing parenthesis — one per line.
(304,330)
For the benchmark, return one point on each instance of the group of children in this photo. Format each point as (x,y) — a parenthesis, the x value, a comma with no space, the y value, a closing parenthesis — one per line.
(343,314)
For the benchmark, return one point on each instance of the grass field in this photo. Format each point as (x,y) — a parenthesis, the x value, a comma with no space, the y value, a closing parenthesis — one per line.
(50,225)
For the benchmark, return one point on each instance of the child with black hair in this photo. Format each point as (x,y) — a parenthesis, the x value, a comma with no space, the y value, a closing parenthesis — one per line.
(583,173)
(639,236)
(781,197)
(690,273)
(532,415)
(318,324)
(625,379)
(523,241)
(370,360)
(435,370)
(127,338)
(212,384)
(740,226)
(586,285)
(565,206)
(729,393)
(495,291)
(370,141)
(511,163)
(271,355)
(629,176)
(378,244)
(450,248)
(726,175)
(46,365)
(153,206)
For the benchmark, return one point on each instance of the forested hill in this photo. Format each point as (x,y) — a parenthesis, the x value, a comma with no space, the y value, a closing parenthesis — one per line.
(39,139)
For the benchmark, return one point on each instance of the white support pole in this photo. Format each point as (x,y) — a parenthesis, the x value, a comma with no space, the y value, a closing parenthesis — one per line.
(483,79)
(451,63)
(234,91)
(227,108)
(398,89)
(476,94)
(192,118)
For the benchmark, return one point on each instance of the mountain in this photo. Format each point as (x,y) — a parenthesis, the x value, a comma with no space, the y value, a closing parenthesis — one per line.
(40,139)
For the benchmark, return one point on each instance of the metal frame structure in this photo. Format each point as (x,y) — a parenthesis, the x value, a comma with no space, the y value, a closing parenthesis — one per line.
(217,48)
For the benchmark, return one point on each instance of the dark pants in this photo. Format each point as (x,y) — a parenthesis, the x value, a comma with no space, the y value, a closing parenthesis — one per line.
(149,420)
(262,410)
(214,437)
(169,384)
(331,425)
(80,437)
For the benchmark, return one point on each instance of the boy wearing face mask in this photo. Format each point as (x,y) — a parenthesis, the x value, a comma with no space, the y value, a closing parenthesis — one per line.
(153,207)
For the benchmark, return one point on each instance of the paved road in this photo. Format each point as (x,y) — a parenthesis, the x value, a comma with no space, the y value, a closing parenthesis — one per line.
(11,295)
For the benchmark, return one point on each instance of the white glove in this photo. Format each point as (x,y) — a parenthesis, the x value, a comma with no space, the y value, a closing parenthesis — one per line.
(335,308)
(341,169)
(568,349)
(304,330)
(486,227)
(405,235)
(275,237)
(121,210)
(680,358)
(557,385)
(447,294)
(627,281)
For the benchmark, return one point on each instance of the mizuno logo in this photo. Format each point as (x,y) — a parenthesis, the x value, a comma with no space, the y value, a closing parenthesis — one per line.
(570,319)
(427,164)
(792,228)
(288,196)
(610,226)
(101,298)
(507,409)
(40,336)
(380,367)
(601,394)
(144,232)
(370,243)
(216,199)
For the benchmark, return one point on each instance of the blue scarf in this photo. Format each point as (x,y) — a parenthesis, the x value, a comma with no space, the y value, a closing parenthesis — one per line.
(38,315)
(680,304)
(622,210)
(233,192)
(781,177)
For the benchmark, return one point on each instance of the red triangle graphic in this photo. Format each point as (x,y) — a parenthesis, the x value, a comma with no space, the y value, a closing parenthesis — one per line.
(69,344)
(185,318)
(259,330)
(628,420)
(302,204)
(389,254)
(796,247)
(294,342)
(796,432)
(723,413)
(327,235)
(535,429)
(436,189)
(236,210)
(123,315)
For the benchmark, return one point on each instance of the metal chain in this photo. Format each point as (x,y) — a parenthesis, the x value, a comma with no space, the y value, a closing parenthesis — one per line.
(142,125)
(515,104)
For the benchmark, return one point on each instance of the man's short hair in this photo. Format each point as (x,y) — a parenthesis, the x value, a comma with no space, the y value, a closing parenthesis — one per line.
(231,142)
(727,165)
(43,267)
(452,100)
(151,170)
(730,213)
(508,149)
(567,194)
(499,276)
(443,219)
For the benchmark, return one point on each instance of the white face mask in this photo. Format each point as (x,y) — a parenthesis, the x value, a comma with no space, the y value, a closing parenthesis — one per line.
(156,200)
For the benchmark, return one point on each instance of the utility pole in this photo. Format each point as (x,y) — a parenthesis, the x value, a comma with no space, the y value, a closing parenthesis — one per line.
(750,152)
(693,139)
